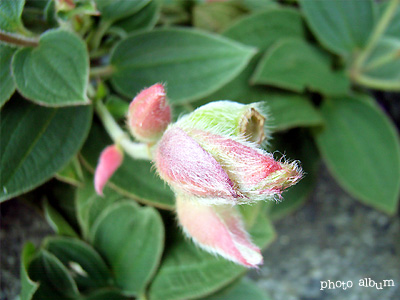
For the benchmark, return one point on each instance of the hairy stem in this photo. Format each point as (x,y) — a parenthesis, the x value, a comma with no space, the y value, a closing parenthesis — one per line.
(120,137)
(102,71)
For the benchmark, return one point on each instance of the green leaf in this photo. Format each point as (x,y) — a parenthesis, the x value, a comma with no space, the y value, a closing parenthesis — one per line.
(296,146)
(55,282)
(144,19)
(381,70)
(362,150)
(393,29)
(341,26)
(37,142)
(272,25)
(192,63)
(107,294)
(82,261)
(134,178)
(263,29)
(307,67)
(10,15)
(28,287)
(257,5)
(71,173)
(215,16)
(131,239)
(89,205)
(245,289)
(56,72)
(288,111)
(7,86)
(188,272)
(112,10)
(57,221)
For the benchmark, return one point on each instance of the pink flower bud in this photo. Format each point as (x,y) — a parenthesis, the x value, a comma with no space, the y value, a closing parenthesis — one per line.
(188,168)
(217,229)
(149,114)
(110,160)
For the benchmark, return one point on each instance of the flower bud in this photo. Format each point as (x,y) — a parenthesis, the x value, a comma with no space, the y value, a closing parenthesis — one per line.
(217,229)
(149,114)
(110,160)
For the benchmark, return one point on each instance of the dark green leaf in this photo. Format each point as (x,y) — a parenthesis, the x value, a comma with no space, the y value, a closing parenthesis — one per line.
(257,5)
(362,150)
(82,261)
(57,221)
(296,146)
(192,63)
(28,287)
(10,15)
(89,205)
(112,10)
(7,86)
(307,67)
(56,72)
(37,142)
(134,178)
(187,272)
(55,282)
(146,18)
(131,239)
(341,26)
(245,289)
(106,294)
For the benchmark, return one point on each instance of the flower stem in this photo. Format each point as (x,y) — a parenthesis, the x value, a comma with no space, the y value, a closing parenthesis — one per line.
(120,137)
(376,33)
(101,30)
(102,71)
(18,40)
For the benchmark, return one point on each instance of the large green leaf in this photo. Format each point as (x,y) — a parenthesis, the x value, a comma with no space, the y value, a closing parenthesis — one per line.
(263,29)
(131,239)
(28,287)
(362,150)
(10,15)
(56,72)
(245,289)
(37,142)
(82,261)
(341,26)
(381,70)
(89,205)
(191,62)
(307,67)
(112,10)
(287,111)
(146,18)
(188,272)
(106,294)
(7,86)
(71,173)
(134,178)
(55,281)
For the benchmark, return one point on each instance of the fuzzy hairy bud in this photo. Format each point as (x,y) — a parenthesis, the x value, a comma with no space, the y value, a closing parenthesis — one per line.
(149,114)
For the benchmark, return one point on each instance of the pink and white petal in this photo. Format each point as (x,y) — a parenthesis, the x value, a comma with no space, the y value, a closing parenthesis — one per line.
(217,229)
(188,168)
(110,160)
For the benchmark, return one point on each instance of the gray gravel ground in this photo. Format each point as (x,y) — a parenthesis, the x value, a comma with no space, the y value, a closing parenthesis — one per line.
(333,237)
